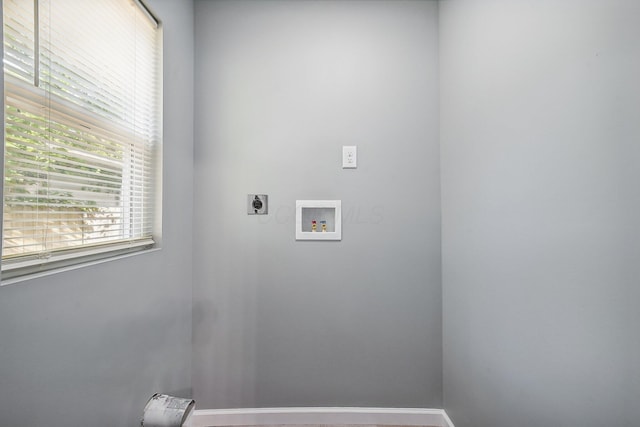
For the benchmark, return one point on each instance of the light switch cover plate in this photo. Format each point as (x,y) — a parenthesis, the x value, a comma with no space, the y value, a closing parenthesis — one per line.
(349,157)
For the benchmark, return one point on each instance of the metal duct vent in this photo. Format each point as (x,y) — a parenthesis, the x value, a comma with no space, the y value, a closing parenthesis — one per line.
(167,411)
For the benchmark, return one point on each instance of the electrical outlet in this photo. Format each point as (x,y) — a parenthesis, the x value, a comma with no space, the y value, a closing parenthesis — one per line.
(257,204)
(349,157)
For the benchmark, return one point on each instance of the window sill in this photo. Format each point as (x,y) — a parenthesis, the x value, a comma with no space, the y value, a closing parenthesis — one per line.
(77,265)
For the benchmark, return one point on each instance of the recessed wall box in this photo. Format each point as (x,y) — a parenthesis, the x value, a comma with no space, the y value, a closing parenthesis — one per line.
(257,204)
(318,219)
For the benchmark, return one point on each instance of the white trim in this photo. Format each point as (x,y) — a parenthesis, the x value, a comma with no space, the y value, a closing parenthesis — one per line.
(72,267)
(302,416)
(75,253)
(447,420)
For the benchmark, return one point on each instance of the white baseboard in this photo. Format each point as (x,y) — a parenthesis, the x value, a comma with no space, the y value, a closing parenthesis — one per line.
(301,416)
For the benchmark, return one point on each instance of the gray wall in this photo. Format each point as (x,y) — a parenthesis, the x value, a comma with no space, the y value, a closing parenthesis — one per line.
(538,121)
(540,104)
(90,346)
(281,86)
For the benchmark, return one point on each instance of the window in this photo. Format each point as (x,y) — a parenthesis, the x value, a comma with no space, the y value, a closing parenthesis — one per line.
(81,131)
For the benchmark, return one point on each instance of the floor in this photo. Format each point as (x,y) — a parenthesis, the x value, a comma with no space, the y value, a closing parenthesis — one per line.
(332,425)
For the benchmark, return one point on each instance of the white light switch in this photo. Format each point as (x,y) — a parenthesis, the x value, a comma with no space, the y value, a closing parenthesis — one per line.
(349,157)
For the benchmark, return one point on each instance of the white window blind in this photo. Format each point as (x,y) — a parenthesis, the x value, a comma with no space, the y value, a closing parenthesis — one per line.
(81,130)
